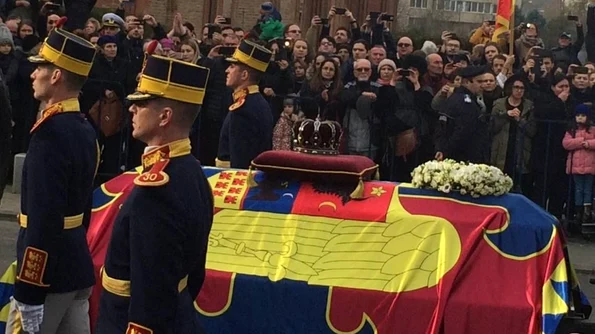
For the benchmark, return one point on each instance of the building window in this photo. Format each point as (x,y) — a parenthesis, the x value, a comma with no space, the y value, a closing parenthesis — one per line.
(450,5)
(464,6)
(418,3)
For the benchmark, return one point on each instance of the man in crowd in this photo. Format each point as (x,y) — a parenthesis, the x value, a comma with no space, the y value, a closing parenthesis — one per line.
(498,64)
(359,123)
(566,53)
(451,47)
(342,36)
(462,128)
(483,34)
(435,76)
(248,128)
(163,268)
(327,45)
(404,48)
(377,54)
(359,51)
(55,268)
(111,24)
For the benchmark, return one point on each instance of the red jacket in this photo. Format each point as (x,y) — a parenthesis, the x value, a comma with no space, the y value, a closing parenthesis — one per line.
(580,160)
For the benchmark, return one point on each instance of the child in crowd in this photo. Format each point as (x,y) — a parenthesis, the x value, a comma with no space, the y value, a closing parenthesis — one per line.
(579,141)
(282,133)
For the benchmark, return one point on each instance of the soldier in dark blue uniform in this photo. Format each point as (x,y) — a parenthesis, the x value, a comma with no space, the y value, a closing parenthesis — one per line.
(155,263)
(463,128)
(55,272)
(248,128)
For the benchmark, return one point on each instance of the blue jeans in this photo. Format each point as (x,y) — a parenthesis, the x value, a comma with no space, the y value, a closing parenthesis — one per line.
(583,189)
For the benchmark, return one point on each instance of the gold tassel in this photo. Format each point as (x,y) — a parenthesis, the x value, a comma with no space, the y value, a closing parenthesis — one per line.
(251,182)
(377,175)
(222,164)
(358,192)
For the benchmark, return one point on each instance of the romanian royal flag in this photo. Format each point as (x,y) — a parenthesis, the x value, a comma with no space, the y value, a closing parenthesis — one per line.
(504,17)
(298,257)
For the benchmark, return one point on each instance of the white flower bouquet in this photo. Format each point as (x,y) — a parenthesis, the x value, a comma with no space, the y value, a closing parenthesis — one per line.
(475,180)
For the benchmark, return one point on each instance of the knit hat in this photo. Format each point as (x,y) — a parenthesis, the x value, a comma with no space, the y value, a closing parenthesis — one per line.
(106,39)
(5,35)
(583,109)
(386,62)
(166,43)
(267,6)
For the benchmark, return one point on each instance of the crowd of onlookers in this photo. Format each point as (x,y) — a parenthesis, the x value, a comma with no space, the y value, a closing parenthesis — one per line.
(359,75)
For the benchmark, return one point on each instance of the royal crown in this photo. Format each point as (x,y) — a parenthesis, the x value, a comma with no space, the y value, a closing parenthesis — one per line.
(317,137)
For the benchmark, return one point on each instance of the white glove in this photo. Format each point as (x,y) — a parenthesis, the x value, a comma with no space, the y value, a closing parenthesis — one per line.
(31,317)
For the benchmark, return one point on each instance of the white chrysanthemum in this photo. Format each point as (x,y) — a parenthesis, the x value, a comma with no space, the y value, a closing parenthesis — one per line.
(472,179)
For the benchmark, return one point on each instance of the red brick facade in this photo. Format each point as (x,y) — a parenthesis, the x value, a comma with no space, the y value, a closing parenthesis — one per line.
(244,13)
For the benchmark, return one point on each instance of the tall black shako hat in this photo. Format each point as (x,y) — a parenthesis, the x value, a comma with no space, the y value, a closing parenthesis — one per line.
(172,79)
(66,50)
(252,55)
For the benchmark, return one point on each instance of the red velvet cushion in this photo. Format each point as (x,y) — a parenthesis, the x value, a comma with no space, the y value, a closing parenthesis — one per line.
(310,167)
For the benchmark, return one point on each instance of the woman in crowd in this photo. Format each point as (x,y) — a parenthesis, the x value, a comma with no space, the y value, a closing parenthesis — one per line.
(512,131)
(315,65)
(9,66)
(92,26)
(322,90)
(277,81)
(26,28)
(552,112)
(190,51)
(299,50)
(299,68)
(386,70)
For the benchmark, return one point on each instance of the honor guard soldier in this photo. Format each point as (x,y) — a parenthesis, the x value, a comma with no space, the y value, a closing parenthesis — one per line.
(463,128)
(248,128)
(155,263)
(55,270)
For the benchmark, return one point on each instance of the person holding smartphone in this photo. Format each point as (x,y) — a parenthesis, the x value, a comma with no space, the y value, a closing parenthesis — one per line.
(405,116)
(566,52)
(530,38)
(483,34)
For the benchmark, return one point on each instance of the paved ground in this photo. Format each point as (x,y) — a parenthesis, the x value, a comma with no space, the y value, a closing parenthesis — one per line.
(8,233)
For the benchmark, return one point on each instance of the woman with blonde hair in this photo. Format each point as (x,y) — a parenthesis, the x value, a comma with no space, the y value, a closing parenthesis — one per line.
(92,26)
(190,51)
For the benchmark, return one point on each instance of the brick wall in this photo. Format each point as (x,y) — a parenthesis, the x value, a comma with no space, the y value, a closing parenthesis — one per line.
(107,4)
(243,13)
